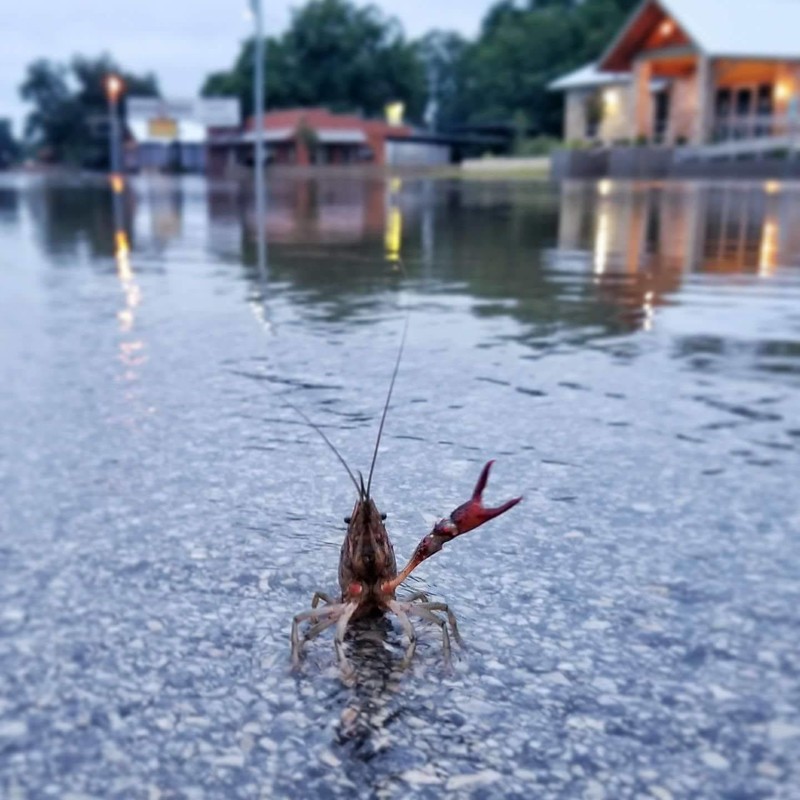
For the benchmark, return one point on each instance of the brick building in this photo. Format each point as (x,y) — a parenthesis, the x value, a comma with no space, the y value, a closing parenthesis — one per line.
(304,136)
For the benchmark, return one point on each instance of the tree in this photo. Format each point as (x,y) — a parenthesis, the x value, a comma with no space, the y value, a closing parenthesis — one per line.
(520,50)
(56,124)
(354,58)
(334,53)
(68,123)
(10,150)
(444,57)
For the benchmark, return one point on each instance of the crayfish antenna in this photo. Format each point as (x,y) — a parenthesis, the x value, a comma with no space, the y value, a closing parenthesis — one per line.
(466,517)
(386,404)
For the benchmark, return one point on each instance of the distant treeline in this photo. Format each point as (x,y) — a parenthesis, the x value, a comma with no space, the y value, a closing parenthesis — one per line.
(351,57)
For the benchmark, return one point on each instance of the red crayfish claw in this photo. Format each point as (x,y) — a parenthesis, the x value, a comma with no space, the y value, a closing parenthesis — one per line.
(466,517)
(473,513)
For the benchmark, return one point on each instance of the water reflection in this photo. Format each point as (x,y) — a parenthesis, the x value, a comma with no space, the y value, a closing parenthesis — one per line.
(9,205)
(590,259)
(164,207)
(645,240)
(131,349)
(393,238)
(74,218)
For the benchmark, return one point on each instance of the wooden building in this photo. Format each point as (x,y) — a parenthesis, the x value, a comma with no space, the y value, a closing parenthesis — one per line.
(691,72)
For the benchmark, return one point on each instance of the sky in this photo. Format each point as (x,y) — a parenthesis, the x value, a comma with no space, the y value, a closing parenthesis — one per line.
(180,40)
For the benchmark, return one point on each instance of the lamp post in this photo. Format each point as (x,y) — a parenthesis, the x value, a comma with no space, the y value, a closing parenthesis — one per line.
(114,87)
(259,159)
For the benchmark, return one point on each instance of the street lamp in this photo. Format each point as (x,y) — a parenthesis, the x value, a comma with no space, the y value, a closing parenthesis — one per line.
(114,88)
(258,109)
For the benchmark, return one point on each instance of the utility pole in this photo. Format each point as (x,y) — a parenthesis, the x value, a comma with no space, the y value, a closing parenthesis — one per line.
(258,106)
(114,88)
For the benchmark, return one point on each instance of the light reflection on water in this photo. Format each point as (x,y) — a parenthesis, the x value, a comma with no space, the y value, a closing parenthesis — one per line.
(630,354)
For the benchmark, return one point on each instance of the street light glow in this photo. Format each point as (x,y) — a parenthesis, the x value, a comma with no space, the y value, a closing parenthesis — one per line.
(113,87)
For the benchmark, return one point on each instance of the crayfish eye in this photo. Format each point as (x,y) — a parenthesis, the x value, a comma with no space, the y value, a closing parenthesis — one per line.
(347,520)
(383,516)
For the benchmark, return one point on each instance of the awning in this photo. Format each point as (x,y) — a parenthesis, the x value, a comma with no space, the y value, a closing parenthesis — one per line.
(270,135)
(340,136)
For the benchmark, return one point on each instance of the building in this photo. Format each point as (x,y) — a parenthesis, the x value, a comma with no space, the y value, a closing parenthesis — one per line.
(691,72)
(169,135)
(306,136)
(597,105)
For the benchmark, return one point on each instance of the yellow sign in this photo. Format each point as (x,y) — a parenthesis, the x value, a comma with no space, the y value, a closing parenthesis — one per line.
(395,112)
(162,128)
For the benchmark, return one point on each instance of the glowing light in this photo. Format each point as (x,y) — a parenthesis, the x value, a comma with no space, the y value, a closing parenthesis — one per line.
(604,187)
(394,234)
(772,187)
(667,28)
(117,183)
(647,307)
(114,87)
(121,246)
(782,90)
(133,295)
(395,112)
(601,241)
(131,354)
(768,251)
(611,100)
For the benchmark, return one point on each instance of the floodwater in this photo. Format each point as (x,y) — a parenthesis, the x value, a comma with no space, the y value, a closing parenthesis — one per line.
(629,355)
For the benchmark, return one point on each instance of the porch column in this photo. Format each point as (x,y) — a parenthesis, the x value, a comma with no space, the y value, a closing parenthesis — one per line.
(642,101)
(704,112)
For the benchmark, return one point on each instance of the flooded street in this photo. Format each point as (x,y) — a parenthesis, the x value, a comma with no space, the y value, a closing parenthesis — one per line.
(628,353)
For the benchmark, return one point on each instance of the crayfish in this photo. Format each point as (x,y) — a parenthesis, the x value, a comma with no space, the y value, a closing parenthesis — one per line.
(368,576)
(369,579)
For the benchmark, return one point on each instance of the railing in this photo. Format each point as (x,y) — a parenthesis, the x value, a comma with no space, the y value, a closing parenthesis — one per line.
(753,137)
(680,129)
(755,126)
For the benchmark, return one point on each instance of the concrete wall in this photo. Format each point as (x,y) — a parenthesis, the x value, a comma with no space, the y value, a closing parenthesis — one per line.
(647,163)
(503,164)
(579,164)
(639,162)
(755,169)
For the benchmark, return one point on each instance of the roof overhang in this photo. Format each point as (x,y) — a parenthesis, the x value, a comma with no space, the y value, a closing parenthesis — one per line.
(270,135)
(588,77)
(650,18)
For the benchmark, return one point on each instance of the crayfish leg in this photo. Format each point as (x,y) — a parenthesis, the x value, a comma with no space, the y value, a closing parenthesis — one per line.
(334,611)
(325,598)
(451,617)
(399,610)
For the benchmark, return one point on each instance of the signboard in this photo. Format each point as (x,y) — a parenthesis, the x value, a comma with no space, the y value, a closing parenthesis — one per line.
(162,128)
(218,112)
(213,112)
